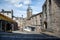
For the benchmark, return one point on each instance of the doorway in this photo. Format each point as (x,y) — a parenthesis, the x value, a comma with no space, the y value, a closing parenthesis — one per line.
(45,25)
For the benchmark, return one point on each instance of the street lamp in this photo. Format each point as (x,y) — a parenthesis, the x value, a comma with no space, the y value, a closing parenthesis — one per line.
(22,23)
(22,20)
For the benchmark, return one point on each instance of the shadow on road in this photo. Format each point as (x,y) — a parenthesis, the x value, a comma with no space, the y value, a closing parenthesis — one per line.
(16,36)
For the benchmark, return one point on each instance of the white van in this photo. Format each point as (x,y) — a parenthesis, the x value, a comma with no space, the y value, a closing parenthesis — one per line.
(29,28)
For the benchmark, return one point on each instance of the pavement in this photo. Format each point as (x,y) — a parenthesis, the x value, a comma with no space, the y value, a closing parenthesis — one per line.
(25,32)
(20,36)
(46,32)
(19,32)
(53,34)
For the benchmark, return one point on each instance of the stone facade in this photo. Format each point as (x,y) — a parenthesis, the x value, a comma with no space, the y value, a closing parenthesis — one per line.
(36,21)
(7,13)
(22,22)
(17,19)
(29,12)
(51,10)
(7,24)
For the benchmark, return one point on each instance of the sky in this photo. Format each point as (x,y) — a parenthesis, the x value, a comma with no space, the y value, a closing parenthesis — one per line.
(19,7)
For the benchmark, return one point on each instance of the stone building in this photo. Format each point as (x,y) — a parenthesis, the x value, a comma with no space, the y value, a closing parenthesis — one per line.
(29,12)
(36,21)
(51,15)
(7,13)
(7,24)
(33,22)
(17,19)
(21,22)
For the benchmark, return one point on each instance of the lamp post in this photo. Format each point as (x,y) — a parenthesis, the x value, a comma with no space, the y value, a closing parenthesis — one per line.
(22,23)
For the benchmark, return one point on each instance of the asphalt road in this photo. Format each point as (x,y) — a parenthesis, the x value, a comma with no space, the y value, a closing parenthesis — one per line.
(16,36)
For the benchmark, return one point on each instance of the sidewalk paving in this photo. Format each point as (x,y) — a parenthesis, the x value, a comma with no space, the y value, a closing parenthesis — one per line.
(53,34)
(19,32)
(25,32)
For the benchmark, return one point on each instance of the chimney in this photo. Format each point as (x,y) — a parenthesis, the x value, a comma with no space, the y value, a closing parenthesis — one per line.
(12,13)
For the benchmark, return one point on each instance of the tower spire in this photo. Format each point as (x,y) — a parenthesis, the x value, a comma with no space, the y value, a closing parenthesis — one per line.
(29,11)
(29,8)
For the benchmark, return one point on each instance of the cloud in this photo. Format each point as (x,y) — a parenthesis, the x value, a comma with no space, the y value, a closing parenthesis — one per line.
(19,13)
(20,6)
(36,9)
(27,1)
(13,1)
(18,3)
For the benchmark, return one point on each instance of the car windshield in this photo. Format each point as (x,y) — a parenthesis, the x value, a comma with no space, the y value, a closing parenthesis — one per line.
(29,19)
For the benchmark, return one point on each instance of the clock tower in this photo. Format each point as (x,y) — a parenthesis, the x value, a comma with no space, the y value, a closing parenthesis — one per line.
(29,12)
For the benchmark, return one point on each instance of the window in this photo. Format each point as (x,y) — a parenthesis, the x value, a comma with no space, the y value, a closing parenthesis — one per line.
(49,6)
(36,20)
(50,2)
(40,15)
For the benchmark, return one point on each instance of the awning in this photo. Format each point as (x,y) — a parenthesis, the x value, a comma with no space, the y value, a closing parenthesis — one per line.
(3,17)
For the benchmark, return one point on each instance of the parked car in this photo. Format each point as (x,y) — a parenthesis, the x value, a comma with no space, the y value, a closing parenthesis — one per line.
(29,28)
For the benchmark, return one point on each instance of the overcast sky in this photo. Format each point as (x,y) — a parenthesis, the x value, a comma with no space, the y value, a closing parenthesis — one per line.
(20,6)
